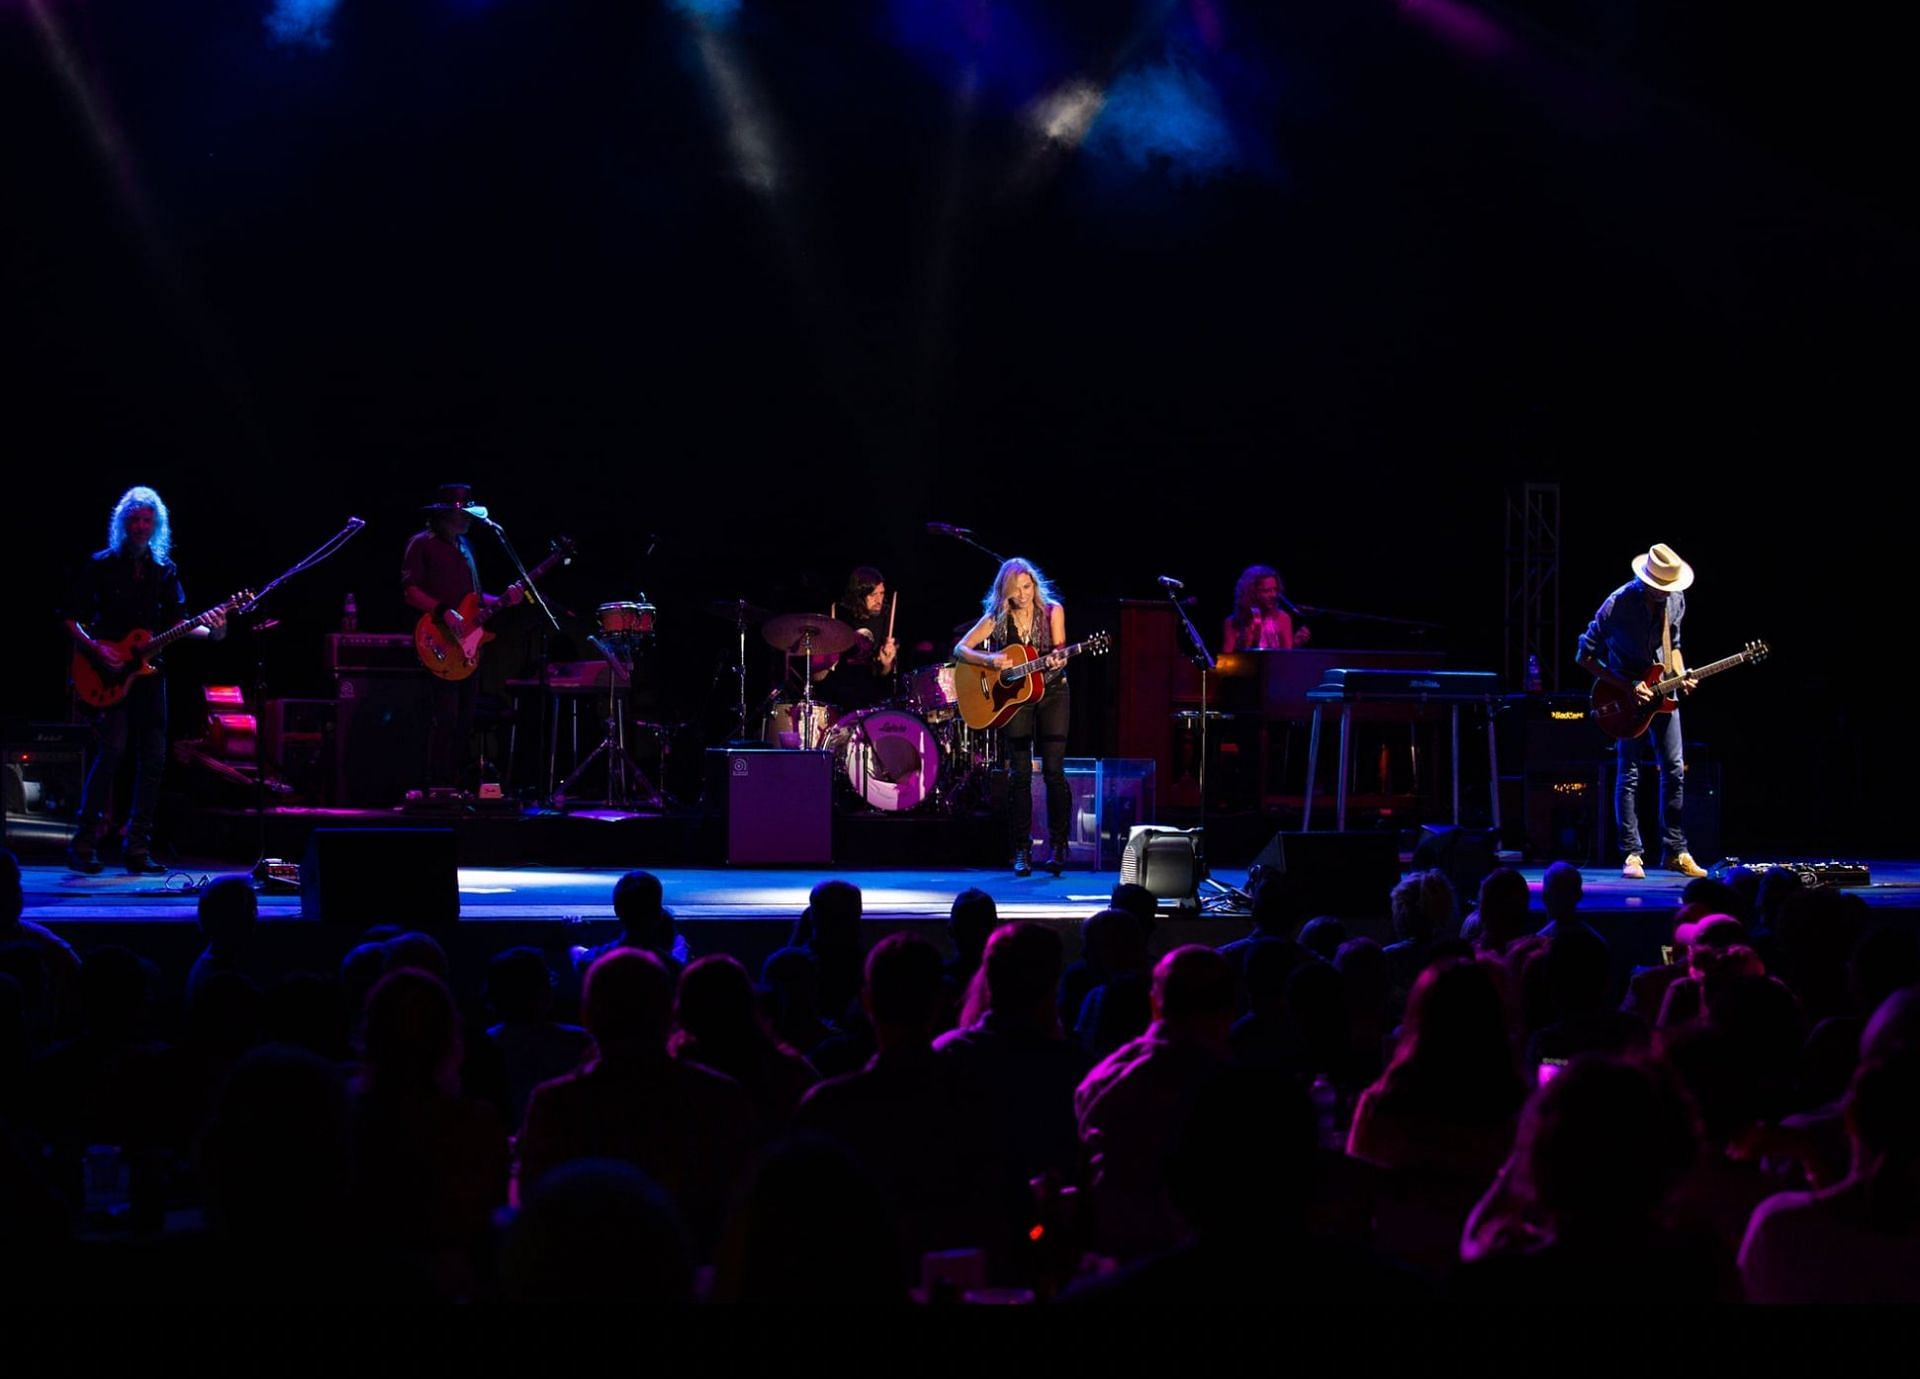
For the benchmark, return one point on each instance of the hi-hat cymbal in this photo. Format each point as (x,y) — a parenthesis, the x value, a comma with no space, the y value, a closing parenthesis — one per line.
(794,632)
(732,610)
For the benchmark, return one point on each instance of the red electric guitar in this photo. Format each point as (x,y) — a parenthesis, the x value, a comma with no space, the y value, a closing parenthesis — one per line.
(1621,714)
(989,697)
(455,658)
(102,687)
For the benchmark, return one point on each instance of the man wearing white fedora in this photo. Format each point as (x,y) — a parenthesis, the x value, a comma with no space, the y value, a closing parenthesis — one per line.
(1639,626)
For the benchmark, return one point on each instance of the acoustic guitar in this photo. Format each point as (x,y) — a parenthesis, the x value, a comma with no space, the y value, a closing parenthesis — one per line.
(989,697)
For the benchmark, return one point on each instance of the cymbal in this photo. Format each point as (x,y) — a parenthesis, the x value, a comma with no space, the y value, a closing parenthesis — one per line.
(791,632)
(733,609)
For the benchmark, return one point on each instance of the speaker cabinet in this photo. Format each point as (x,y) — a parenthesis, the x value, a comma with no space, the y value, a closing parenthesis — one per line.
(363,876)
(380,738)
(774,807)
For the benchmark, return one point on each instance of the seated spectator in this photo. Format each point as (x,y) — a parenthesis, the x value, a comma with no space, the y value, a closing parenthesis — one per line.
(1441,1117)
(1017,1053)
(1131,1106)
(1279,1030)
(533,1047)
(108,1084)
(686,1128)
(1132,898)
(645,923)
(1572,977)
(1561,890)
(229,912)
(1424,910)
(1708,947)
(1859,1240)
(922,1125)
(597,1232)
(1322,937)
(1502,915)
(1111,941)
(1367,986)
(971,922)
(1274,918)
(1729,1179)
(719,1027)
(1603,1150)
(1647,986)
(790,990)
(429,1165)
(305,1010)
(830,929)
(811,1227)
(63,962)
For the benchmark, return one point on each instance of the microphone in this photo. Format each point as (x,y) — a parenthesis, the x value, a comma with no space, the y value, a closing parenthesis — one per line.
(1287,604)
(942,529)
(1170,582)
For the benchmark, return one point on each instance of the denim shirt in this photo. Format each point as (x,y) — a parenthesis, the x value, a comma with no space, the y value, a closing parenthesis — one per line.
(1624,635)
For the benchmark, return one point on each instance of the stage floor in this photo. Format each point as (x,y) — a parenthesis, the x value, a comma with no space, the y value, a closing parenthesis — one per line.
(54,894)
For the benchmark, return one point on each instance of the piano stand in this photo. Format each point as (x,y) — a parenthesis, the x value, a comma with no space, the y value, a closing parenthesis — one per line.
(1346,748)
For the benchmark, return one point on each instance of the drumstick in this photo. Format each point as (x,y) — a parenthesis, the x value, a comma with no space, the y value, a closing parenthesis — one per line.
(893,606)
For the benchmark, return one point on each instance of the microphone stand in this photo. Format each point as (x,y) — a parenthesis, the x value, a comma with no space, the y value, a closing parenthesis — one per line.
(553,625)
(1230,899)
(942,529)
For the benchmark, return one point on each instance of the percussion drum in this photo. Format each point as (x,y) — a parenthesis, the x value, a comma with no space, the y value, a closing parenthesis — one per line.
(891,758)
(930,692)
(627,619)
(796,723)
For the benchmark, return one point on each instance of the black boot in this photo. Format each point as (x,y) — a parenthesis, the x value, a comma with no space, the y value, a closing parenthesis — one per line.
(82,858)
(1056,853)
(141,863)
(1023,860)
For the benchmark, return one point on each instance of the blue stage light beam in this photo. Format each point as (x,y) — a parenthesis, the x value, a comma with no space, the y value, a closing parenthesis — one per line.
(710,11)
(301,23)
(1164,114)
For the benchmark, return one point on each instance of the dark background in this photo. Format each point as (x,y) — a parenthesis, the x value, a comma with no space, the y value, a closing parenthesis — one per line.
(1658,254)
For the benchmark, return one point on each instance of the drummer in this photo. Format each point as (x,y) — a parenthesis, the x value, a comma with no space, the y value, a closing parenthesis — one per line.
(862,676)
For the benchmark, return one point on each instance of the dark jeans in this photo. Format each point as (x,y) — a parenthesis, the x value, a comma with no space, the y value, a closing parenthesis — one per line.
(450,731)
(137,724)
(1665,737)
(1048,721)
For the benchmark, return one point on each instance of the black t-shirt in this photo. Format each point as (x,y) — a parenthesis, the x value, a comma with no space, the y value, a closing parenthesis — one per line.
(855,682)
(444,568)
(114,594)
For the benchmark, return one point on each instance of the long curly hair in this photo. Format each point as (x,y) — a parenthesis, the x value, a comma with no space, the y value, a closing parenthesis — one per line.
(995,603)
(139,496)
(1243,590)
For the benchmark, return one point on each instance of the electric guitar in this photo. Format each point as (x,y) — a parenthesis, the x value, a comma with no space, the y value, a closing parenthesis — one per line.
(989,697)
(455,658)
(1621,714)
(102,687)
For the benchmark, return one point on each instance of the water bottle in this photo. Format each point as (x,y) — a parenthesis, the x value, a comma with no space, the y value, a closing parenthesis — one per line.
(1533,674)
(350,616)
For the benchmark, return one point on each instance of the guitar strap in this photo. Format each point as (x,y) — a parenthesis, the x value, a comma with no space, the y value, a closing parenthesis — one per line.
(1666,638)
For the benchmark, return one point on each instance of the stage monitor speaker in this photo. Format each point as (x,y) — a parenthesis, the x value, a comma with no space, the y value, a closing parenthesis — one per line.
(365,876)
(775,806)
(380,738)
(1166,861)
(1348,875)
(1466,855)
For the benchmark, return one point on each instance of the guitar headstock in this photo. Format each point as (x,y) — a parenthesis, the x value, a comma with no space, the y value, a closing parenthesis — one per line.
(562,549)
(1758,651)
(1098,644)
(240,602)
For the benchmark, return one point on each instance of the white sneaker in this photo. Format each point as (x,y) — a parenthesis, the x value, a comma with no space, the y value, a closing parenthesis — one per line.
(1634,869)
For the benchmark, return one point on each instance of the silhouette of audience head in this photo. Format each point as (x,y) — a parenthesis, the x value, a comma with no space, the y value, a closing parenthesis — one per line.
(628,1002)
(810,1227)
(1883,1121)
(1023,964)
(1193,992)
(972,921)
(831,920)
(597,1231)
(1270,962)
(363,965)
(229,911)
(1323,936)
(1503,908)
(1455,1058)
(1424,907)
(13,896)
(224,1014)
(306,1011)
(412,1034)
(903,989)
(520,986)
(1111,942)
(273,1159)
(1606,1144)
(639,905)
(1574,969)
(1560,890)
(715,1004)
(1136,900)
(790,979)
(421,951)
(1243,1110)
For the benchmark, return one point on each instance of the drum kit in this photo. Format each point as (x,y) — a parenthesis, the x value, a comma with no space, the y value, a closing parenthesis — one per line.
(624,631)
(907,753)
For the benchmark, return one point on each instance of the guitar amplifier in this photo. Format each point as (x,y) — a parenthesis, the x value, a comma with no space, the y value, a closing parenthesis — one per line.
(380,738)
(363,652)
(42,769)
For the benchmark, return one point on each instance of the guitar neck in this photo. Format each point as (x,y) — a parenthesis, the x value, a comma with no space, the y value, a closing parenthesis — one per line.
(1738,658)
(177,631)
(1042,662)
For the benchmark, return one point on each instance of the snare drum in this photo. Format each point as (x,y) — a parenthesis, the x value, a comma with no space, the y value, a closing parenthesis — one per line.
(930,692)
(797,723)
(627,619)
(891,758)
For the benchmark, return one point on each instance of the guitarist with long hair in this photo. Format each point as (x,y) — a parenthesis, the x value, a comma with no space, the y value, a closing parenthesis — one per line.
(1638,627)
(131,586)
(1020,609)
(437,574)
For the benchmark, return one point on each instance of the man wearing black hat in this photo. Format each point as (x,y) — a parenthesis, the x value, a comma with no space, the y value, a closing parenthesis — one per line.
(438,572)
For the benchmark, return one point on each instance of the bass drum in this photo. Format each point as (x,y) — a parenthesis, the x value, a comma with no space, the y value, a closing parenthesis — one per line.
(891,758)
